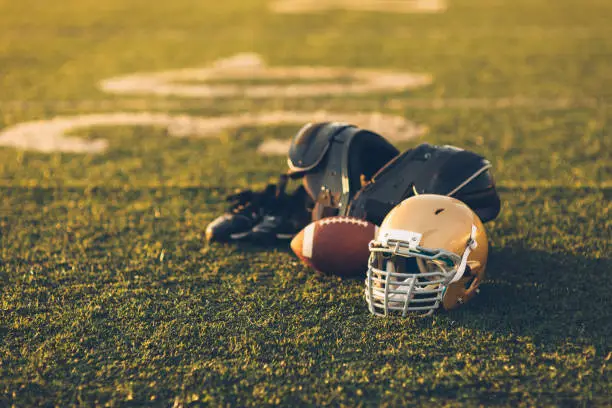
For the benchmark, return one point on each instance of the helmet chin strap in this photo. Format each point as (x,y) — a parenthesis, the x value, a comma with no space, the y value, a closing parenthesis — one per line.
(471,245)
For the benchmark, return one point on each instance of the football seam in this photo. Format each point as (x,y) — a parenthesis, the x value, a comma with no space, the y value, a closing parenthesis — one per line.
(345,220)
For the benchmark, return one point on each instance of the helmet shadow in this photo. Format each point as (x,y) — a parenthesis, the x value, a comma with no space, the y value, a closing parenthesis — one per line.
(551,297)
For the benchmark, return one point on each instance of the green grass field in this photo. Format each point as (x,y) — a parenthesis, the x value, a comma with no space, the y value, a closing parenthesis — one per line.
(109,295)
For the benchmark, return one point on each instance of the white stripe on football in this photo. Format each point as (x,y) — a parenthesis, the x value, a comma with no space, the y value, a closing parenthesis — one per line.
(336,245)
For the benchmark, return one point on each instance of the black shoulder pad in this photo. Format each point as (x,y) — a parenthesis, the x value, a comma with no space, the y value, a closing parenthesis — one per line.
(429,169)
(448,170)
(310,144)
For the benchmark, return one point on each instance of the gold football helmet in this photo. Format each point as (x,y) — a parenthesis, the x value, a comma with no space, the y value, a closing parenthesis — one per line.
(430,250)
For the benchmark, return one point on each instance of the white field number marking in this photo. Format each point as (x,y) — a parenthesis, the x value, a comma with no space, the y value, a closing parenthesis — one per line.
(55,135)
(393,6)
(244,67)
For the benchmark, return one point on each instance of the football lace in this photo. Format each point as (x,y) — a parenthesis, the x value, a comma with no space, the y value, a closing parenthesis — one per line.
(344,220)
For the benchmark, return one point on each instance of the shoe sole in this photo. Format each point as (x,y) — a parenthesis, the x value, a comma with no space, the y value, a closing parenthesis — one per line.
(239,235)
(267,236)
(244,234)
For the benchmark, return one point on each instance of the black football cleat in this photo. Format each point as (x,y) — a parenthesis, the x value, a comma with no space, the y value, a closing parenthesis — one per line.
(284,220)
(230,227)
(244,213)
(273,228)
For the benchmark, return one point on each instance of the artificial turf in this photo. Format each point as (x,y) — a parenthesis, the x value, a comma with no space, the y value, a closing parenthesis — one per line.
(110,296)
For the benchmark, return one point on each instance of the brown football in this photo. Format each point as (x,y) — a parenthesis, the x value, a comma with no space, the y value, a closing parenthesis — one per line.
(336,245)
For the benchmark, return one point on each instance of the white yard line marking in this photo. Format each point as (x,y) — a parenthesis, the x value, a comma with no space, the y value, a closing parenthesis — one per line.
(416,103)
(495,103)
(392,6)
(53,135)
(248,66)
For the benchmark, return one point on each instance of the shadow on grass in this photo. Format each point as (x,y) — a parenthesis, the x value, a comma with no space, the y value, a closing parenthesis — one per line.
(550,297)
